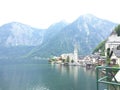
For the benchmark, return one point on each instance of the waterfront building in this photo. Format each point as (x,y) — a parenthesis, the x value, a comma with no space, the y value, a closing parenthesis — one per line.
(113,42)
(72,56)
(116,57)
(65,56)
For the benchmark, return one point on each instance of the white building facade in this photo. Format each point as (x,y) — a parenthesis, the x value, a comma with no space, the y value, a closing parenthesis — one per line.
(70,55)
(75,54)
(113,42)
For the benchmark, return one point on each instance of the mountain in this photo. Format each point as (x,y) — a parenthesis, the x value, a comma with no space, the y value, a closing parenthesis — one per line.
(18,34)
(87,31)
(54,30)
(49,35)
(17,39)
(14,52)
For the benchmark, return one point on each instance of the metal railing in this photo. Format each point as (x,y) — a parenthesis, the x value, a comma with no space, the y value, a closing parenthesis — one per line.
(106,75)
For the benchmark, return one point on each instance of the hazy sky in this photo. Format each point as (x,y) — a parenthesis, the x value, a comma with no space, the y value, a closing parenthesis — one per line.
(42,13)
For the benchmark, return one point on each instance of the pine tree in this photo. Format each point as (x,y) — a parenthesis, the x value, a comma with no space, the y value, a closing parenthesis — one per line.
(109,54)
(117,29)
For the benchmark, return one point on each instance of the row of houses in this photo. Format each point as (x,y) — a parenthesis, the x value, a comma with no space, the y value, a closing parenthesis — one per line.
(68,57)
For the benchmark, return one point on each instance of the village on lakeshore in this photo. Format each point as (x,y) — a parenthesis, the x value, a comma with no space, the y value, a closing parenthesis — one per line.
(111,57)
(96,59)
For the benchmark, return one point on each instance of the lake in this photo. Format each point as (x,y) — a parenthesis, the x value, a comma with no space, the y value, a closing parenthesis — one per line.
(41,75)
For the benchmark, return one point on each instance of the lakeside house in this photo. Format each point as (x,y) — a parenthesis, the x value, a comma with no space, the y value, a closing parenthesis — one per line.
(95,59)
(116,57)
(113,42)
(74,59)
(68,55)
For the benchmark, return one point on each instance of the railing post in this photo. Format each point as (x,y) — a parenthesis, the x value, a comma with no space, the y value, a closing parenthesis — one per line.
(107,70)
(107,78)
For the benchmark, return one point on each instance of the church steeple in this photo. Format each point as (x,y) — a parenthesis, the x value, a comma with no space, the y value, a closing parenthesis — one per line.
(76,53)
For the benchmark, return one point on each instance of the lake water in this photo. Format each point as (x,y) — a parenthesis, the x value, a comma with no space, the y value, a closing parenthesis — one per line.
(44,76)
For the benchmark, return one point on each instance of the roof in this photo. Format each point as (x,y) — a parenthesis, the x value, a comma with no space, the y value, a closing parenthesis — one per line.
(114,42)
(113,38)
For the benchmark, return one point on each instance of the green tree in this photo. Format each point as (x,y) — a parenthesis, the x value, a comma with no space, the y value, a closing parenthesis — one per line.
(72,61)
(109,54)
(63,60)
(101,47)
(117,29)
(68,58)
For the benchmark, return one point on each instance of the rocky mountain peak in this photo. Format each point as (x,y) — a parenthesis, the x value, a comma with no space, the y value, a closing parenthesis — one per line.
(15,34)
(87,18)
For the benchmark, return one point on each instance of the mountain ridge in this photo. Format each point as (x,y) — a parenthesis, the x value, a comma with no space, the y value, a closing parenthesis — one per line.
(87,31)
(15,33)
(84,31)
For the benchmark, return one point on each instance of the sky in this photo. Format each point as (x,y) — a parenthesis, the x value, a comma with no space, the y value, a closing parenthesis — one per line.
(43,13)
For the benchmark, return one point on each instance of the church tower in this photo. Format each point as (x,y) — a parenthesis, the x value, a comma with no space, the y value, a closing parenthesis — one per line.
(75,53)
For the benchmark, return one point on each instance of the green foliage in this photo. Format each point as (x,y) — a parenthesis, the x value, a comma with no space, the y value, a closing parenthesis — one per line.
(53,59)
(72,61)
(63,60)
(109,54)
(116,66)
(68,58)
(101,47)
(117,29)
(108,51)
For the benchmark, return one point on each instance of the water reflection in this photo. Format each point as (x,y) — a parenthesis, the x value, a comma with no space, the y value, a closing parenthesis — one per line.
(45,77)
(70,70)
(90,72)
(73,70)
(21,78)
(79,74)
